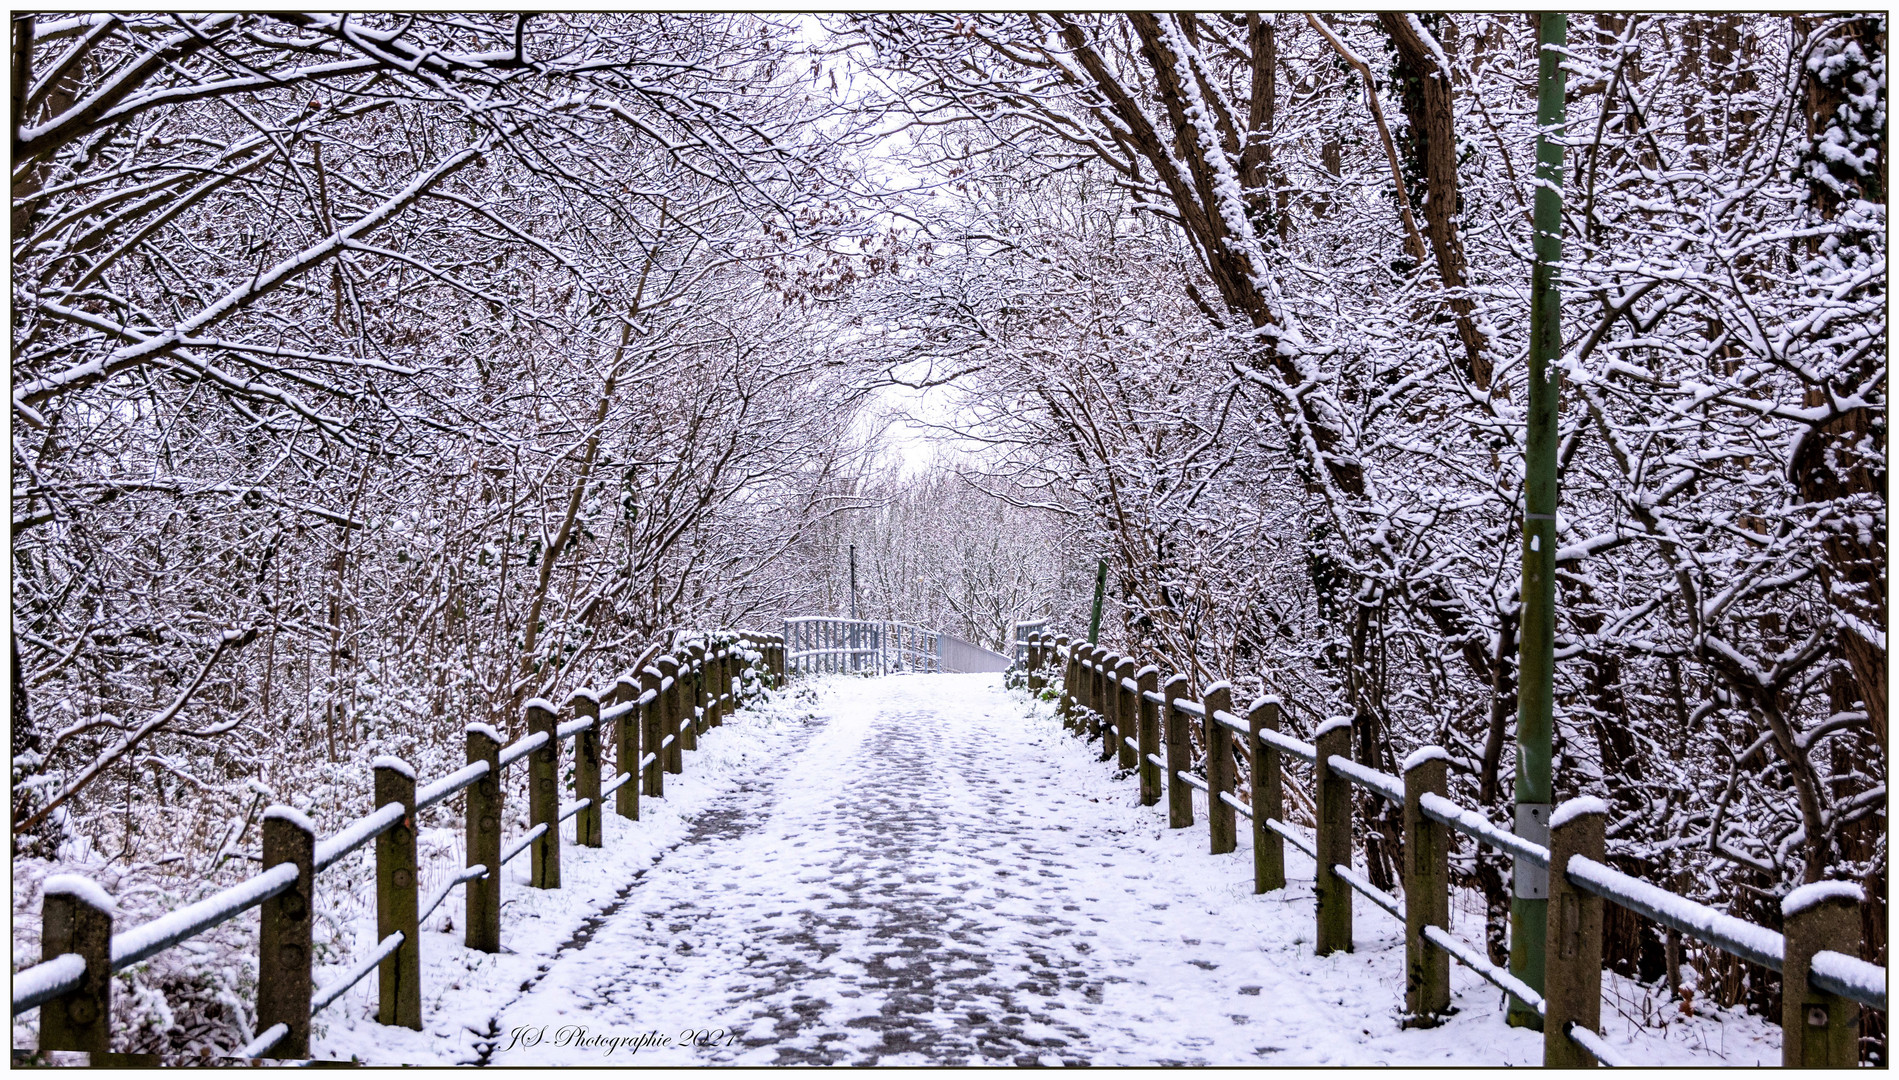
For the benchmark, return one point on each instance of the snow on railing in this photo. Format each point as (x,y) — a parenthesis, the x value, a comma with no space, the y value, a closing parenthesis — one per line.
(323,997)
(357,833)
(450,784)
(152,938)
(1755,944)
(1849,977)
(1371,780)
(41,983)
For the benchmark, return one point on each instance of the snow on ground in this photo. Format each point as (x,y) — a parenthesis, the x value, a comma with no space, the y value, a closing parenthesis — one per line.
(928,870)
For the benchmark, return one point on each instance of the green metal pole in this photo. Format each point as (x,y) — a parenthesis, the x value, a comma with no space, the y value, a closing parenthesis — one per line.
(1101,585)
(1529,904)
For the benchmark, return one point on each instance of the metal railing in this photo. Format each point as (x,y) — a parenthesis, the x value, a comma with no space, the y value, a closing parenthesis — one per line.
(818,644)
(656,710)
(1135,715)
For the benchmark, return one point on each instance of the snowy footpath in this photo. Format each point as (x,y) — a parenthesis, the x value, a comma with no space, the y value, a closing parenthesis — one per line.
(927,870)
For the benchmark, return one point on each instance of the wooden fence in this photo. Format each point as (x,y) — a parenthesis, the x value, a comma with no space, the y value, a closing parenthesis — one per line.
(1149,726)
(649,716)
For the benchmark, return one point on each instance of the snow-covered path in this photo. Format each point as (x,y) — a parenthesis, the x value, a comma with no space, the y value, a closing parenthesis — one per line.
(913,871)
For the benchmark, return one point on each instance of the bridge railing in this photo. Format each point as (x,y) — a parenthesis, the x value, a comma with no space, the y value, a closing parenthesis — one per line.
(820,644)
(651,714)
(1149,727)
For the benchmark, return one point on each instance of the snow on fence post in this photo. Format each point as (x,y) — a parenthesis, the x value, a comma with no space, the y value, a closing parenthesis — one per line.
(481,825)
(1222,830)
(1036,679)
(283,939)
(671,708)
(76,917)
(1818,1029)
(544,797)
(626,759)
(1427,892)
(399,976)
(1269,849)
(1127,711)
(1572,973)
(1147,725)
(583,704)
(1333,796)
(1179,754)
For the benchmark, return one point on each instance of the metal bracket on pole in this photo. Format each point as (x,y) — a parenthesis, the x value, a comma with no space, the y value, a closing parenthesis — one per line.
(1533,824)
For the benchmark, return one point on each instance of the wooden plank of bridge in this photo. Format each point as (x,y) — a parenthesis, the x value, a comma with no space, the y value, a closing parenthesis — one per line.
(1179,754)
(544,800)
(582,704)
(1333,794)
(1269,848)
(1572,973)
(481,825)
(71,922)
(1427,893)
(1222,835)
(284,982)
(399,976)
(632,727)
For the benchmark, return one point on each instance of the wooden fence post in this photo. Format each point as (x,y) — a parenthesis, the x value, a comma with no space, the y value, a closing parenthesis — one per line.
(1269,848)
(1333,795)
(692,679)
(1572,972)
(76,917)
(673,708)
(626,754)
(1222,833)
(1127,716)
(544,798)
(716,685)
(583,704)
(1065,702)
(283,939)
(1818,1029)
(1036,679)
(1098,691)
(399,976)
(652,731)
(1147,725)
(1086,723)
(1179,754)
(1109,706)
(1427,892)
(481,825)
